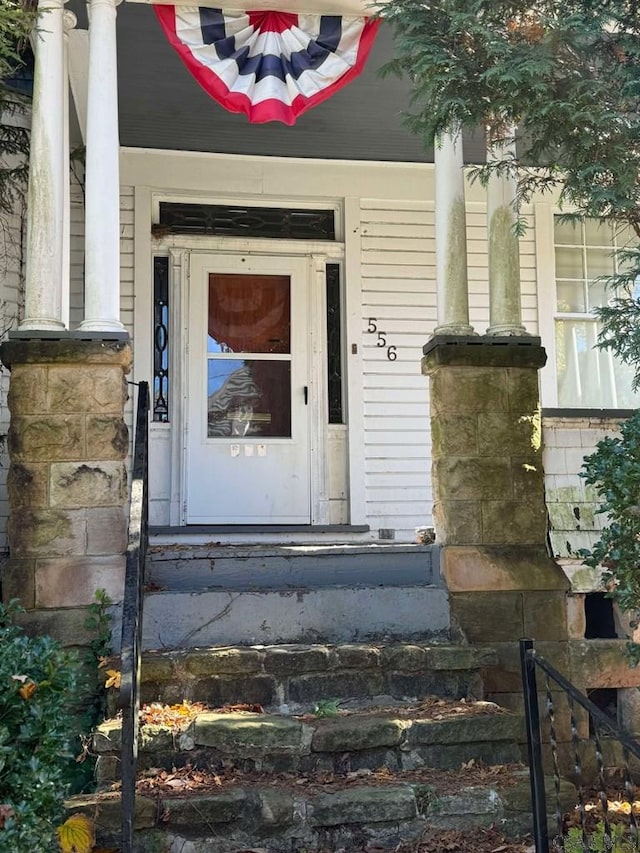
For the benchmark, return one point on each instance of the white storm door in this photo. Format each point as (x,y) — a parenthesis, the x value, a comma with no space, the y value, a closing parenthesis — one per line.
(247,409)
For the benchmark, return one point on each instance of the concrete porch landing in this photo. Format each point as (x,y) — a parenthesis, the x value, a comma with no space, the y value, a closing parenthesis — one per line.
(207,594)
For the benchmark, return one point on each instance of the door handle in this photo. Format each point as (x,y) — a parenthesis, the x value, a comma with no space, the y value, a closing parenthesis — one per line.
(305,391)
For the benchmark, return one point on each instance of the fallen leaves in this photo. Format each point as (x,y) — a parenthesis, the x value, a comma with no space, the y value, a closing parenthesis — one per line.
(76,835)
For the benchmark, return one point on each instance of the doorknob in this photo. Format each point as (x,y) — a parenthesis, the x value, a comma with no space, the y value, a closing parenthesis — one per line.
(305,391)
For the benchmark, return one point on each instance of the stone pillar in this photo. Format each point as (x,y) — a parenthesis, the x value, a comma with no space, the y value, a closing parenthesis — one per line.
(451,239)
(102,175)
(45,196)
(505,312)
(67,479)
(488,481)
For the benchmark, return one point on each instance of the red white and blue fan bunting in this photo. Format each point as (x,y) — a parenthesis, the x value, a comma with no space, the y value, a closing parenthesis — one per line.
(272,66)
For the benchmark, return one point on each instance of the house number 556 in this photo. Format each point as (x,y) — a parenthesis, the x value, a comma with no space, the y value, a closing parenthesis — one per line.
(372,328)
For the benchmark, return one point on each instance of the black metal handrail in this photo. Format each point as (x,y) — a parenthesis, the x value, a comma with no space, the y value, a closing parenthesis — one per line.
(602,724)
(130,648)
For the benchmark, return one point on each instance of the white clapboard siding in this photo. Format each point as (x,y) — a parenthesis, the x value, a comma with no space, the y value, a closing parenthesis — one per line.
(11,276)
(127,281)
(398,294)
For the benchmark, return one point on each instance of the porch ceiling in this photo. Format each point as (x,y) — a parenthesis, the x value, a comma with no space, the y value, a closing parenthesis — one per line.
(161,106)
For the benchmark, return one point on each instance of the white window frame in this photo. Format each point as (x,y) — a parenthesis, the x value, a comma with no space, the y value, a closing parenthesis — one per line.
(547,301)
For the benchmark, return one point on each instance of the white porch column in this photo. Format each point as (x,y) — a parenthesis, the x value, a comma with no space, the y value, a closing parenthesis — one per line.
(505,312)
(451,238)
(69,22)
(102,175)
(45,195)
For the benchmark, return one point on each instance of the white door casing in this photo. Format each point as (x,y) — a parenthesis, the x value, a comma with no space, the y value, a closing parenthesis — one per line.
(235,473)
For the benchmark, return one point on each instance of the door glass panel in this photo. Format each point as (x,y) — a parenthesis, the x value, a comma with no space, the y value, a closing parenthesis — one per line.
(249,313)
(248,397)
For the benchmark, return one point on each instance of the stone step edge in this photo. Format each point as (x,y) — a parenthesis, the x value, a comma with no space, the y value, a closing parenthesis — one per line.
(275,809)
(297,658)
(249,734)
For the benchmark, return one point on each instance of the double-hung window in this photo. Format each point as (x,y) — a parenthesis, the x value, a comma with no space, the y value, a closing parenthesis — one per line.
(587,377)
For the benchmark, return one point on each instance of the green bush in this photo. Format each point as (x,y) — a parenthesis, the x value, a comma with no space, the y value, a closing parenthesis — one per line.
(37,681)
(614,470)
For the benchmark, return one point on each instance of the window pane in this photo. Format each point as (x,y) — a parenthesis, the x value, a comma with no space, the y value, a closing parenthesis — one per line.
(589,377)
(568,233)
(569,263)
(247,397)
(598,232)
(599,262)
(249,313)
(598,294)
(570,297)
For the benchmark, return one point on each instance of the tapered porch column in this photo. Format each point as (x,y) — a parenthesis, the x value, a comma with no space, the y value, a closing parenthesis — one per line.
(451,239)
(69,22)
(505,311)
(45,195)
(102,175)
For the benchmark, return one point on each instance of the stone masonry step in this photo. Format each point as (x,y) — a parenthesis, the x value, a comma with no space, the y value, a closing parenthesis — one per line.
(335,614)
(247,567)
(434,734)
(302,816)
(300,675)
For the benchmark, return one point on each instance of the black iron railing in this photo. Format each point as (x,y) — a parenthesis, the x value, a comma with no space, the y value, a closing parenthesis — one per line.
(601,725)
(132,614)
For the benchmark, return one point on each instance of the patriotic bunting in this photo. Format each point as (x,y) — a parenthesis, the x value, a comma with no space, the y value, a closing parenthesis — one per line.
(271,66)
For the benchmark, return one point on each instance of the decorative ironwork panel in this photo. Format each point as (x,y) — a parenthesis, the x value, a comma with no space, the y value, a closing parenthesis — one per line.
(161,339)
(242,221)
(334,345)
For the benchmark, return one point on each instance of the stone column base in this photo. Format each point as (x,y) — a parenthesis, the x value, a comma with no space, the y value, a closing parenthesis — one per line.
(67,481)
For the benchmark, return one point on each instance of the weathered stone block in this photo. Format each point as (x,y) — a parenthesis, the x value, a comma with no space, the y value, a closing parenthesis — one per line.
(486,617)
(68,625)
(47,532)
(289,660)
(454,435)
(527,477)
(203,662)
(107,437)
(576,616)
(107,813)
(276,807)
(363,805)
(357,657)
(458,522)
(472,729)
(404,656)
(335,685)
(251,735)
(221,690)
(351,734)
(523,390)
(505,568)
(545,615)
(82,388)
(469,807)
(505,434)
(88,484)
(468,390)
(208,809)
(459,657)
(602,663)
(73,581)
(106,530)
(28,484)
(18,581)
(508,522)
(27,390)
(46,438)
(465,479)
